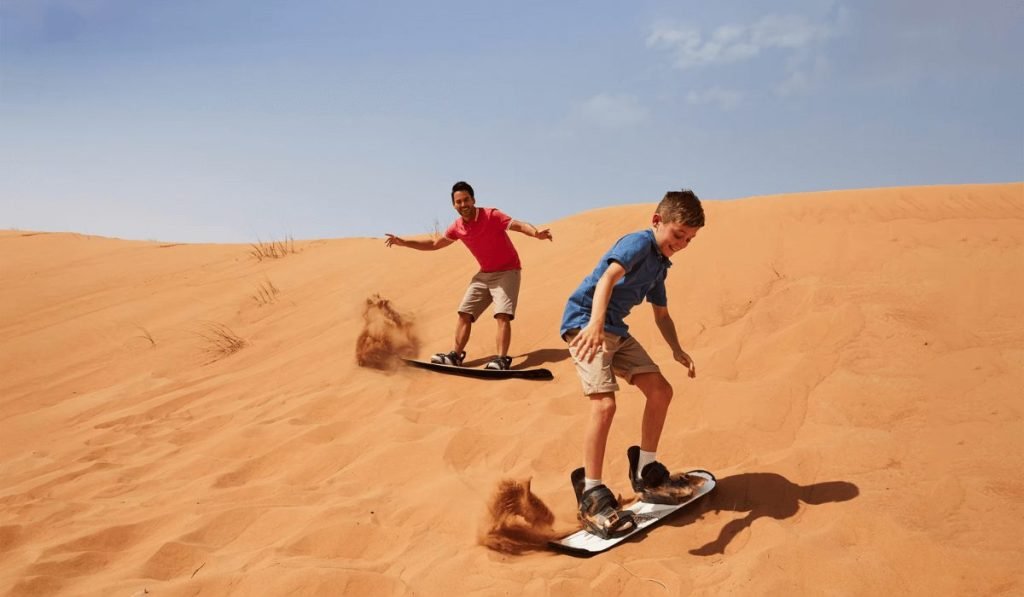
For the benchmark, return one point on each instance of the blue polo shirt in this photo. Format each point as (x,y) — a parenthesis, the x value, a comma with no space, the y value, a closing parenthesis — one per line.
(646,269)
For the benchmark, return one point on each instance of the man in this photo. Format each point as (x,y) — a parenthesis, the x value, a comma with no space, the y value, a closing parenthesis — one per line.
(484,231)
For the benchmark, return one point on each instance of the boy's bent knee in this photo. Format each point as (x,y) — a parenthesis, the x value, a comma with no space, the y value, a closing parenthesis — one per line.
(603,405)
(654,386)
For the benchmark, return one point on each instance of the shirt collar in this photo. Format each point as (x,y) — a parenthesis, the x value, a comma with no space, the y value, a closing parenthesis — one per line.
(657,250)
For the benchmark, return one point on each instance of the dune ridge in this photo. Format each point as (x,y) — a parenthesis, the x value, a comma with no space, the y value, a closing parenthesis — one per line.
(860,365)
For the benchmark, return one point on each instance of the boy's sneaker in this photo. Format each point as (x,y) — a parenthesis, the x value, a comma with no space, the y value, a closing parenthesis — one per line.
(656,485)
(449,358)
(599,511)
(499,363)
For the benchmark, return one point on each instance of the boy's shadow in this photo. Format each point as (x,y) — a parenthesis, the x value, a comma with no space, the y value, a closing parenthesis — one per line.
(762,495)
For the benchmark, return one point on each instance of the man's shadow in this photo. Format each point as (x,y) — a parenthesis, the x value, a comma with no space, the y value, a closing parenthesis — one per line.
(542,356)
(534,358)
(761,495)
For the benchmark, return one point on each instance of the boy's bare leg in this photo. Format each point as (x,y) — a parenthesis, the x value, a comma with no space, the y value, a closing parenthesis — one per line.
(658,392)
(602,411)
(462,331)
(504,339)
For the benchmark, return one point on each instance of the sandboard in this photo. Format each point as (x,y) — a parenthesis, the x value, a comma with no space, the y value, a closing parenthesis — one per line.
(483,373)
(584,544)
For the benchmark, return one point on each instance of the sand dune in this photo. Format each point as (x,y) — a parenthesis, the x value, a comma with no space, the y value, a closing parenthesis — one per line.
(860,361)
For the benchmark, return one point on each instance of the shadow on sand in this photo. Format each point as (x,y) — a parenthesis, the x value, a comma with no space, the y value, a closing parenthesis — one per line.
(542,356)
(534,358)
(760,495)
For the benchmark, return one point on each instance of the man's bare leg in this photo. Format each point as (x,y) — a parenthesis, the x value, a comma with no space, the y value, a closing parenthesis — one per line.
(462,331)
(504,338)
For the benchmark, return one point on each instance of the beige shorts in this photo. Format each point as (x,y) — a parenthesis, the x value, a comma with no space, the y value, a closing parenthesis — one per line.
(623,356)
(501,288)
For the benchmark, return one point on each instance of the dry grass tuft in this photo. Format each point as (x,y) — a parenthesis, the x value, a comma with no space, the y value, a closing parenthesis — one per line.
(266,293)
(273,249)
(221,340)
(146,335)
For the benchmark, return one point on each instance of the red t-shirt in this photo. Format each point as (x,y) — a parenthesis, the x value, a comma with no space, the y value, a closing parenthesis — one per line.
(487,239)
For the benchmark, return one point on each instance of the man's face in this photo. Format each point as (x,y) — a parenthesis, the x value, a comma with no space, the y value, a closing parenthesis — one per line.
(464,203)
(672,237)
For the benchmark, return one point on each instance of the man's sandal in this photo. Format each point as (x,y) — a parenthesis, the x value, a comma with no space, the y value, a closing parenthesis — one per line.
(449,358)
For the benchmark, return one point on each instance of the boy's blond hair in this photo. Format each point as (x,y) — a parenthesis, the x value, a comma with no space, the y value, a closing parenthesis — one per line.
(683,207)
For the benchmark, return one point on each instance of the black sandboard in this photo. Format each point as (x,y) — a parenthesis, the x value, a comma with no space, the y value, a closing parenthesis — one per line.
(483,373)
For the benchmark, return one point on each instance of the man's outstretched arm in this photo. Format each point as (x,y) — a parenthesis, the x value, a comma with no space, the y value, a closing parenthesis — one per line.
(530,230)
(420,245)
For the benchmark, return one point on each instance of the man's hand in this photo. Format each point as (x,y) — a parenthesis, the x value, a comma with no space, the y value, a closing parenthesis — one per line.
(588,343)
(685,359)
(544,234)
(393,240)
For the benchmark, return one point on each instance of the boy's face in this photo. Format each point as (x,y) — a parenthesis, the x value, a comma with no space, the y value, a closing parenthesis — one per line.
(464,203)
(672,237)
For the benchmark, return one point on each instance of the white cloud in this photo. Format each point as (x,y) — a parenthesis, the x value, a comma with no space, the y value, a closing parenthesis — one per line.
(735,43)
(723,98)
(787,32)
(612,111)
(802,76)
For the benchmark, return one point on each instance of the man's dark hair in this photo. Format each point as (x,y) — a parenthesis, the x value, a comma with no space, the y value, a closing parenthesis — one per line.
(683,207)
(462,186)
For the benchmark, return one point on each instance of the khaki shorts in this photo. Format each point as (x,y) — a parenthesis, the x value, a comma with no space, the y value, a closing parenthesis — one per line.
(501,288)
(623,356)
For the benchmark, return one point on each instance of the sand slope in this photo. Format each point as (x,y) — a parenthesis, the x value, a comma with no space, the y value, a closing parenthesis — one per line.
(860,360)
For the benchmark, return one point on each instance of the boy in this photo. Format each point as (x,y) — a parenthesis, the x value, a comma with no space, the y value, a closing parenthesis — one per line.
(484,231)
(599,342)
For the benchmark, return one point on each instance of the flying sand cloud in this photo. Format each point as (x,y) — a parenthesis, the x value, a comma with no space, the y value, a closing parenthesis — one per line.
(387,336)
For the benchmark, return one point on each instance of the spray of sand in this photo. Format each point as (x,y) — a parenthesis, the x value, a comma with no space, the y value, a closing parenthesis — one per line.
(517,520)
(387,336)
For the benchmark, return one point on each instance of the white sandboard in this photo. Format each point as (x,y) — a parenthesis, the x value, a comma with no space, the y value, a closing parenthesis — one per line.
(583,543)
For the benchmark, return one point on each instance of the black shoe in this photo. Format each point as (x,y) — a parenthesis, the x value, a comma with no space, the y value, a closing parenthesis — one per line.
(599,511)
(499,363)
(449,358)
(656,485)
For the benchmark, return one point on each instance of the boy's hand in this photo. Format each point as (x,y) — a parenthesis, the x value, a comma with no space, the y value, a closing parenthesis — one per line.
(393,240)
(588,343)
(685,359)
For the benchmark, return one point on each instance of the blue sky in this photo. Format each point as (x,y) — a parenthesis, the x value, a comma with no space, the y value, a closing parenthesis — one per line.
(231,120)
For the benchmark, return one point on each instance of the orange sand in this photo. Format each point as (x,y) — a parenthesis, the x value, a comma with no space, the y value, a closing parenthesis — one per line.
(860,373)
